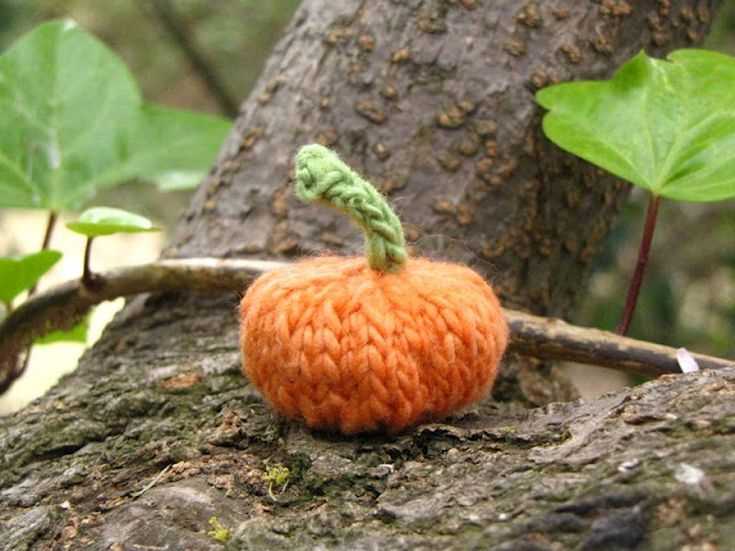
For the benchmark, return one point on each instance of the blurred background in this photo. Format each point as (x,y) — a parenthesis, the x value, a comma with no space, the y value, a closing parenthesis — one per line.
(206,56)
(190,54)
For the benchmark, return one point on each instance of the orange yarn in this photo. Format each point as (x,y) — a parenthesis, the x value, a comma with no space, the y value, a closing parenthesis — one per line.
(343,346)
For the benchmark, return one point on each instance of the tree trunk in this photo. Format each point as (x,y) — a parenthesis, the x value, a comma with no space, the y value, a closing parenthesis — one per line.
(432,100)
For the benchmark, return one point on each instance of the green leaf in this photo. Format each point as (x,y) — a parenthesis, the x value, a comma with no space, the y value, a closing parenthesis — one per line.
(178,180)
(73,121)
(78,333)
(164,140)
(664,125)
(100,221)
(21,273)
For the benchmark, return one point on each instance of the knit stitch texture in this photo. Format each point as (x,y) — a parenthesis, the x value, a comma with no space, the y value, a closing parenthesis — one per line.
(322,176)
(343,347)
(375,343)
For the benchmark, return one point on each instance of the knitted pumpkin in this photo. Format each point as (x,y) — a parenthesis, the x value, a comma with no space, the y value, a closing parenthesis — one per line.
(364,344)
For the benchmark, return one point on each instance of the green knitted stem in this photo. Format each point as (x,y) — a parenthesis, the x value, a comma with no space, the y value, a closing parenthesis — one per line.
(322,176)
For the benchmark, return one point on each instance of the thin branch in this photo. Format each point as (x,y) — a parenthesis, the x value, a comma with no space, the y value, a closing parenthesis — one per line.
(167,17)
(64,306)
(19,368)
(640,267)
(554,339)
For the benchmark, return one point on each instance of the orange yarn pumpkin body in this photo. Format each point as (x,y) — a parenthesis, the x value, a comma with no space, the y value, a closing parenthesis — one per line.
(342,346)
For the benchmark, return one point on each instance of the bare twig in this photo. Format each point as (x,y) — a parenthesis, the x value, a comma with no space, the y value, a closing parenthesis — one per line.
(152,482)
(64,306)
(554,339)
(170,21)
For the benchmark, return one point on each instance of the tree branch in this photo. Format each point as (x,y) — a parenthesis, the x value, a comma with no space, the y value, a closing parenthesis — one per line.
(545,338)
(554,339)
(170,21)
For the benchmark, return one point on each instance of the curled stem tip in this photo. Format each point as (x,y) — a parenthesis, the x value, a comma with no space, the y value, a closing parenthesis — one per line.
(322,176)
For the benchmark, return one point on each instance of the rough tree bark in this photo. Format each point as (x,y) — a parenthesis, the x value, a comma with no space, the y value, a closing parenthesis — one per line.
(157,431)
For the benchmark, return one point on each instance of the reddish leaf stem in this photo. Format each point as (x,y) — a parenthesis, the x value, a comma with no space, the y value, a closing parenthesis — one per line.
(640,267)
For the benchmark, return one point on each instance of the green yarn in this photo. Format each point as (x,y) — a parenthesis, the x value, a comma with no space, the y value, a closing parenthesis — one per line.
(322,176)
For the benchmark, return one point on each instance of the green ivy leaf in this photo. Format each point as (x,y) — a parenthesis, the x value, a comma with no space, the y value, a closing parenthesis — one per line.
(664,125)
(73,121)
(78,333)
(100,221)
(21,273)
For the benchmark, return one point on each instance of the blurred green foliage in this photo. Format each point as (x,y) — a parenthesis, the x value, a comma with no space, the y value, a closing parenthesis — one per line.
(234,36)
(74,122)
(19,274)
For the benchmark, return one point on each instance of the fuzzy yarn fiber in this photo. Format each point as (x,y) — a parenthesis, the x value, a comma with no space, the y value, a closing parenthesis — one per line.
(344,347)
